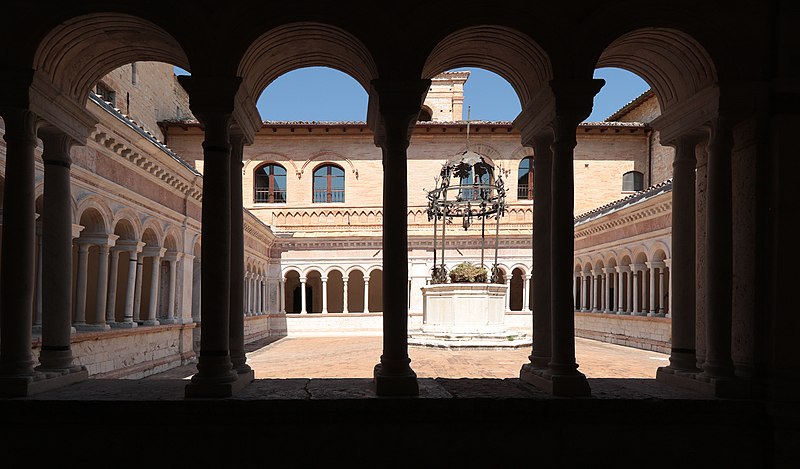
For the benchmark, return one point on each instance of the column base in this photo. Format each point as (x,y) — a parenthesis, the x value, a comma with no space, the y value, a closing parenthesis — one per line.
(394,384)
(41,381)
(558,385)
(124,325)
(216,390)
(641,313)
(92,327)
(168,321)
(151,322)
(725,387)
(36,330)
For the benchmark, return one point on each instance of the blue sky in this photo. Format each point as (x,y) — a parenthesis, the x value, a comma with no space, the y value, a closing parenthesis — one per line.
(324,94)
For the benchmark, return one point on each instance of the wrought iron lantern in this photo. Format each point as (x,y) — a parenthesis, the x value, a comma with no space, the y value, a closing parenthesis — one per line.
(466,189)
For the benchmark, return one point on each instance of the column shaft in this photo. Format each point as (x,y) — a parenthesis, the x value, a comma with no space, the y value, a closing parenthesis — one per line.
(324,296)
(101,291)
(137,291)
(236,314)
(111,296)
(344,297)
(366,294)
(719,248)
(56,254)
(542,210)
(80,289)
(303,305)
(152,304)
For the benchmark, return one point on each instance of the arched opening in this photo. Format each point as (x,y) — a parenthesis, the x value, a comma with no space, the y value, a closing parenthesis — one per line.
(335,286)
(375,294)
(516,289)
(355,292)
(145,306)
(86,258)
(292,292)
(314,291)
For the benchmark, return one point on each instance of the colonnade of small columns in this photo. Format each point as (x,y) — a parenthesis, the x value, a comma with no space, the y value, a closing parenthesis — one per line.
(346,290)
(639,289)
(256,293)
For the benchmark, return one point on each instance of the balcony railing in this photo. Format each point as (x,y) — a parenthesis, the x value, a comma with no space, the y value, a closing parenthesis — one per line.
(324,196)
(264,196)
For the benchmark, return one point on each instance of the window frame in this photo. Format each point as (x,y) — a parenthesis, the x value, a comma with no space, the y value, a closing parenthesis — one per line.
(529,187)
(331,194)
(270,187)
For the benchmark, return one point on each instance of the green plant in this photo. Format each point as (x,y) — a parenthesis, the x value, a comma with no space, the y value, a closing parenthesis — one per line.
(466,272)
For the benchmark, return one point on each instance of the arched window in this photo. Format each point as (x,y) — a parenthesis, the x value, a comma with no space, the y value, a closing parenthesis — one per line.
(270,180)
(632,181)
(525,179)
(479,174)
(328,184)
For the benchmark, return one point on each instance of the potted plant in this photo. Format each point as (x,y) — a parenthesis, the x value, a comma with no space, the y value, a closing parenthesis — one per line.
(466,272)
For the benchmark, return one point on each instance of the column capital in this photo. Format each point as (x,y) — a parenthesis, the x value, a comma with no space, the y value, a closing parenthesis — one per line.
(57,146)
(303,279)
(528,276)
(655,264)
(153,251)
(609,270)
(99,239)
(129,245)
(622,268)
(174,256)
(394,105)
(324,279)
(638,267)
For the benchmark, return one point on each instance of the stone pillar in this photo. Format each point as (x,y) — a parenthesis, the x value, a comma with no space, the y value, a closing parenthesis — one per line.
(155,274)
(656,275)
(583,291)
(526,293)
(172,259)
(212,102)
(573,104)
(282,296)
(101,292)
(111,296)
(683,355)
(508,293)
(609,308)
(344,297)
(303,309)
(80,289)
(664,292)
(137,292)
(366,294)
(398,103)
(651,310)
(236,314)
(719,257)
(639,290)
(324,295)
(575,293)
(37,310)
(133,249)
(629,308)
(542,307)
(56,254)
(19,235)
(621,288)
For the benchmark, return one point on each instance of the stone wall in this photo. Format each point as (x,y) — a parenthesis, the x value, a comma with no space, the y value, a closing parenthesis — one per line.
(641,332)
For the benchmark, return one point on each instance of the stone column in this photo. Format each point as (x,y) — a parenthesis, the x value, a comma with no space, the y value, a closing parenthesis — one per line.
(366,294)
(101,292)
(637,290)
(19,235)
(609,308)
(111,296)
(212,102)
(508,293)
(665,307)
(668,262)
(575,293)
(133,249)
(137,293)
(324,295)
(236,313)
(656,275)
(663,293)
(80,290)
(573,101)
(303,309)
(630,306)
(719,257)
(683,355)
(344,298)
(282,296)
(526,293)
(620,288)
(37,310)
(542,307)
(56,253)
(155,276)
(172,259)
(583,291)
(398,104)
(651,310)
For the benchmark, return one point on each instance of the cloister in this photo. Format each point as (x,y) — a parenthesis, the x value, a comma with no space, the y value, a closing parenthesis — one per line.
(726,79)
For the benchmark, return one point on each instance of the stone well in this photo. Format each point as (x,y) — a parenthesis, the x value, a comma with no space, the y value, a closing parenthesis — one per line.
(468,315)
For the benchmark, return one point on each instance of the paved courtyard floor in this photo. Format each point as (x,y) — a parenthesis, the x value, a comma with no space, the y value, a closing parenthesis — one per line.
(355,357)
